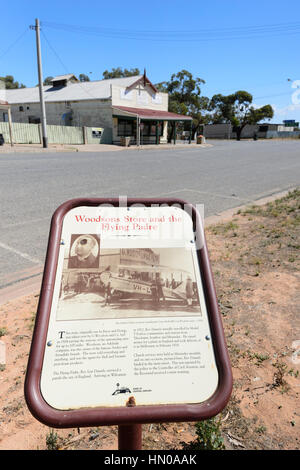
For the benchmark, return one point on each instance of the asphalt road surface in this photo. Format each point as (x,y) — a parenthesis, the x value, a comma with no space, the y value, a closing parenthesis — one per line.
(225,175)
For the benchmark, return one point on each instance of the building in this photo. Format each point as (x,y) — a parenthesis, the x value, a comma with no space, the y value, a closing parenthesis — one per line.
(6,116)
(291,123)
(122,107)
(263,131)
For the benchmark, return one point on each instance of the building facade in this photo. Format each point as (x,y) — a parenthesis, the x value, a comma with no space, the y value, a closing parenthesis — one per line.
(129,107)
(263,131)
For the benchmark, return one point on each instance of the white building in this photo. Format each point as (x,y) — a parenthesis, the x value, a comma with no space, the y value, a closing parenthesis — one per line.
(122,107)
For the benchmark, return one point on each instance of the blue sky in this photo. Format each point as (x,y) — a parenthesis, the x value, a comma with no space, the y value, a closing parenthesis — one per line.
(231,44)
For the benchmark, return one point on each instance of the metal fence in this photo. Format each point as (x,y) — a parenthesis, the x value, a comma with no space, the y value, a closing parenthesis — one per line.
(32,134)
(22,133)
(282,135)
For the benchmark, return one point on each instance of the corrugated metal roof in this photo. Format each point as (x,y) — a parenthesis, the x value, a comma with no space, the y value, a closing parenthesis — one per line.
(63,77)
(73,92)
(153,114)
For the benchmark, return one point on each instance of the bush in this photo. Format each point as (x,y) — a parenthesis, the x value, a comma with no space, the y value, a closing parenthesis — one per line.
(209,436)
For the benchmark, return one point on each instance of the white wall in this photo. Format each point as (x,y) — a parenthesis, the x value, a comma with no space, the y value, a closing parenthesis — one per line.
(139,97)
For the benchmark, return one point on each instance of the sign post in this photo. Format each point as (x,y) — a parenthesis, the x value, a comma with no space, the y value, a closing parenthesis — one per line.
(128,329)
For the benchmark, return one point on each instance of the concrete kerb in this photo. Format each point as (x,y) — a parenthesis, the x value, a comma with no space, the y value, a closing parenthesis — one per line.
(38,148)
(32,282)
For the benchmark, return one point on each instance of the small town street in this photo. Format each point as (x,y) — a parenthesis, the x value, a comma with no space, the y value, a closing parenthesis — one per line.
(220,176)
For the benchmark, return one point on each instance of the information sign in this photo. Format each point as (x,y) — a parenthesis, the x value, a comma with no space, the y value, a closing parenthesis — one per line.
(127,315)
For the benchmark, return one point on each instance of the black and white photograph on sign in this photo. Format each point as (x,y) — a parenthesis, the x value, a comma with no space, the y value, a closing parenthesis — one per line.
(131,283)
(84,251)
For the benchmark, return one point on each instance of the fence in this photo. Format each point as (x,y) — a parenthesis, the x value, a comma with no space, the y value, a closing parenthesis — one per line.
(32,134)
(282,135)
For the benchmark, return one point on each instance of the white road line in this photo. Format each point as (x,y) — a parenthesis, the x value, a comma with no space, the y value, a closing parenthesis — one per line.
(20,253)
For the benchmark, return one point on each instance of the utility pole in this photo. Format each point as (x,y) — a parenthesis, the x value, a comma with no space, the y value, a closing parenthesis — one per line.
(40,73)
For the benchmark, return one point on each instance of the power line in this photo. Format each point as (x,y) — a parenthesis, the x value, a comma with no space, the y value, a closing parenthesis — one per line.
(64,66)
(54,52)
(271,27)
(246,32)
(91,96)
(272,96)
(14,43)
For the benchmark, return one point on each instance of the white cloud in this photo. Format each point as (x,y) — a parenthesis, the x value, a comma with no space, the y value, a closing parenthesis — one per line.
(286,110)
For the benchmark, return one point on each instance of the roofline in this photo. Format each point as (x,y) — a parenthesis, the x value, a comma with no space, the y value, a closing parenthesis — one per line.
(145,79)
(181,117)
(59,77)
(61,101)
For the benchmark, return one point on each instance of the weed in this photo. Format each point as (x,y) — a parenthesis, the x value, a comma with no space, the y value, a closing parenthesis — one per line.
(224,228)
(278,379)
(32,320)
(293,373)
(255,261)
(209,436)
(261,429)
(3,331)
(260,358)
(52,440)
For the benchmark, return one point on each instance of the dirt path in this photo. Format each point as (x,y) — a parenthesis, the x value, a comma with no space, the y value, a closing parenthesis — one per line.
(256,268)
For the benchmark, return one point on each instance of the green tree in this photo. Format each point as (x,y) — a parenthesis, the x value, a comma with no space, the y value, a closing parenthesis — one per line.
(185,97)
(84,78)
(47,81)
(10,82)
(120,73)
(237,109)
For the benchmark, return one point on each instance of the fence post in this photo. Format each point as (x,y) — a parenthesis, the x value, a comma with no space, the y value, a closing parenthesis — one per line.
(10,127)
(84,133)
(40,133)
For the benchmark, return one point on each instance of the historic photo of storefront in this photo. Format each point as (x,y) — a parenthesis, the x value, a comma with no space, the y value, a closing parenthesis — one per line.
(131,282)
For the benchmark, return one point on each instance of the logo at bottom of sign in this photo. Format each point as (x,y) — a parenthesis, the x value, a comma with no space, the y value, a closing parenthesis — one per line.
(124,389)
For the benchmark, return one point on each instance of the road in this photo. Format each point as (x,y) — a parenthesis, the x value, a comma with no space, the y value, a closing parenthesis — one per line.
(226,175)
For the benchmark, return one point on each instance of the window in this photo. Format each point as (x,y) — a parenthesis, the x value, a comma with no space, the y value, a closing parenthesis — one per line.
(125,128)
(21,108)
(149,128)
(33,120)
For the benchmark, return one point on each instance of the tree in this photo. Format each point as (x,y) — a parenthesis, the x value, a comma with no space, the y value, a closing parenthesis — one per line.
(47,81)
(10,82)
(236,109)
(84,78)
(120,73)
(185,97)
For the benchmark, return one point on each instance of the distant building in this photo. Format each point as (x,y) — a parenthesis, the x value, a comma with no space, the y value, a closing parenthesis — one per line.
(123,107)
(291,123)
(263,130)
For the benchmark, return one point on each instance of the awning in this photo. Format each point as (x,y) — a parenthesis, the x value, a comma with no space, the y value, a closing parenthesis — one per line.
(151,114)
(4,105)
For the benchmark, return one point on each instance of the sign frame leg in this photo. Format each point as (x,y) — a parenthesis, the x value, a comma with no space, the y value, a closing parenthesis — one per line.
(130,437)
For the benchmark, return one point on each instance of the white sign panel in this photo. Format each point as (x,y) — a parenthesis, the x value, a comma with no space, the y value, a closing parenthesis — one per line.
(128,315)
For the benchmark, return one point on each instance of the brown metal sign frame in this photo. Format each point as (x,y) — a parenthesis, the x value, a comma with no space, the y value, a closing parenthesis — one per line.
(104,416)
